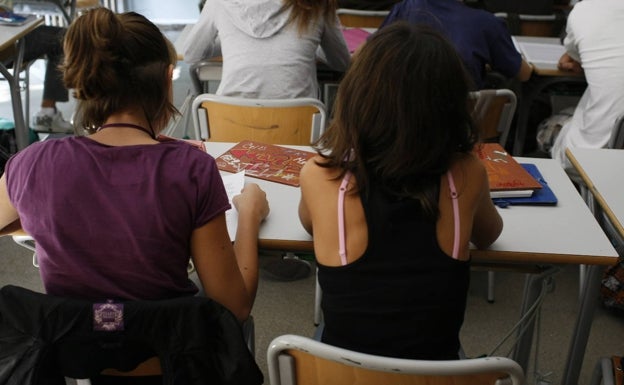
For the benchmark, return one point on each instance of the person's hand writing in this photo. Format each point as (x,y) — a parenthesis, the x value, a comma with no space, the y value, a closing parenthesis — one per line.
(566,63)
(252,201)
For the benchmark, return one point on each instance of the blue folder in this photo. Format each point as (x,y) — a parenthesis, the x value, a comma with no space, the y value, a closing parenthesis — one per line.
(543,196)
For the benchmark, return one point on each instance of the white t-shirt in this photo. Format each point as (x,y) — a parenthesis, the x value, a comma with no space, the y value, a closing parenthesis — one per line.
(595,38)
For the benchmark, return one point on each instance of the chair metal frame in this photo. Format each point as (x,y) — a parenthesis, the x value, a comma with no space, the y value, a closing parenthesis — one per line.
(603,373)
(493,112)
(201,119)
(333,365)
(203,73)
(533,25)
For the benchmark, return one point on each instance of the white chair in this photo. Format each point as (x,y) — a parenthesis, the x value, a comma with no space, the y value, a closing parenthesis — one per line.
(299,360)
(297,121)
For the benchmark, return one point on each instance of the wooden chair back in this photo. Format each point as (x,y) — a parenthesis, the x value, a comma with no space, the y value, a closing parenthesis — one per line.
(296,360)
(492,112)
(355,18)
(291,121)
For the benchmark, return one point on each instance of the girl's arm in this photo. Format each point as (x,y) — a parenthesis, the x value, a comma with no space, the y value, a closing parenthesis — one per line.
(487,222)
(9,220)
(229,273)
(333,48)
(202,42)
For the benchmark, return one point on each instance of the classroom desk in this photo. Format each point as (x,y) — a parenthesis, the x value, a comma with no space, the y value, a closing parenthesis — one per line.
(532,236)
(11,40)
(600,169)
(546,74)
(563,234)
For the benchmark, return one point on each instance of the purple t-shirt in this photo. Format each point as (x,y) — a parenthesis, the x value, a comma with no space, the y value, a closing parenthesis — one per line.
(114,222)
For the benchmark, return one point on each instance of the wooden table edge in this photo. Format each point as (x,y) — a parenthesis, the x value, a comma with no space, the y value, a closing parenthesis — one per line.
(594,191)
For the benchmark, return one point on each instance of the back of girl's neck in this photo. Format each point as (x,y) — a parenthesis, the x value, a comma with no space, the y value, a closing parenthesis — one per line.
(125,129)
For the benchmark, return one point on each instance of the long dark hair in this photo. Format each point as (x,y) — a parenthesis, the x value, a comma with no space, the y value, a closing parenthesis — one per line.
(401,114)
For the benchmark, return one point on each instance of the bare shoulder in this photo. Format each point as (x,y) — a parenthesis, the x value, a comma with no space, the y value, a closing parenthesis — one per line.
(312,174)
(468,167)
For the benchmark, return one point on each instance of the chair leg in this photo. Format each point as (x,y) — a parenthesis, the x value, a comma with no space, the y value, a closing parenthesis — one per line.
(490,287)
(318,314)
(603,372)
(249,332)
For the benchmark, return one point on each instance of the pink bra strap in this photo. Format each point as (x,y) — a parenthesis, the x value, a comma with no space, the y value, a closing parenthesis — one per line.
(455,214)
(342,244)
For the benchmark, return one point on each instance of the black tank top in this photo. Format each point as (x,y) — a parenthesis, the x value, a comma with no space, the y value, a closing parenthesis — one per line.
(404,297)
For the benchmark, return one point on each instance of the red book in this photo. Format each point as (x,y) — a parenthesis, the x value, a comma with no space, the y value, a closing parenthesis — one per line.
(506,176)
(265,161)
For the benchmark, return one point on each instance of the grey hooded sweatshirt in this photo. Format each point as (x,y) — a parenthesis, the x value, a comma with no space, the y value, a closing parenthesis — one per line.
(263,55)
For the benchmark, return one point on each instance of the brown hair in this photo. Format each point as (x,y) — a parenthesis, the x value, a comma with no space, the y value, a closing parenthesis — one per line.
(115,61)
(304,12)
(401,114)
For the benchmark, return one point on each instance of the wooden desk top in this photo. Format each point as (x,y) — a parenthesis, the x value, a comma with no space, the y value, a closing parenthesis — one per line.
(562,234)
(9,34)
(600,170)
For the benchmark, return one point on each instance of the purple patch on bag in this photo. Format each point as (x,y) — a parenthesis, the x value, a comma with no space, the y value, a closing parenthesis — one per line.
(108,317)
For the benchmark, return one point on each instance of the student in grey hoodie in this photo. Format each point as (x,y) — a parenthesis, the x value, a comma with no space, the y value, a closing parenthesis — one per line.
(270,47)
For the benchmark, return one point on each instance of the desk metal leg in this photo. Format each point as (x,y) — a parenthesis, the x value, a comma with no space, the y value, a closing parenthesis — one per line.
(21,131)
(532,289)
(589,301)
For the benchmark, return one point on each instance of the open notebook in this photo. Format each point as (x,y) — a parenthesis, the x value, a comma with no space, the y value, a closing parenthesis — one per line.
(540,54)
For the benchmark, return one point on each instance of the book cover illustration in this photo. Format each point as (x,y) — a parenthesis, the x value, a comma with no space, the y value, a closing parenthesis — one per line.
(505,174)
(265,161)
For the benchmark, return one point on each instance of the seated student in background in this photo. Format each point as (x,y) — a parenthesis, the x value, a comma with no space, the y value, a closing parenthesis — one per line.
(45,41)
(269,47)
(481,38)
(371,5)
(595,45)
(397,165)
(116,214)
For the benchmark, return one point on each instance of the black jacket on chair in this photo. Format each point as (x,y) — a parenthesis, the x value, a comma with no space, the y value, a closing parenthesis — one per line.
(43,338)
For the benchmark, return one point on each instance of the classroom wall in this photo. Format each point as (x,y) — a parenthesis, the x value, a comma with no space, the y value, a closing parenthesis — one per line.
(165,12)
